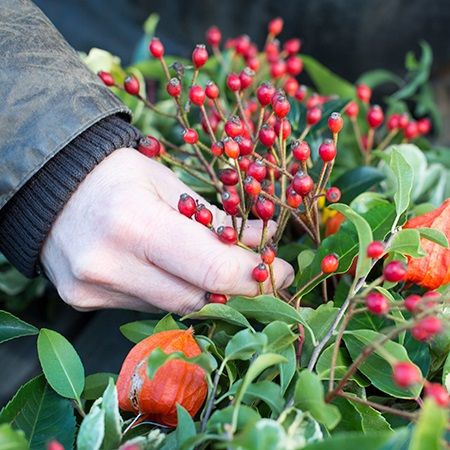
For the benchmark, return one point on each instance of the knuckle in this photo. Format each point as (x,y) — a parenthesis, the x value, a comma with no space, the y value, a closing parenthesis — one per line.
(87,268)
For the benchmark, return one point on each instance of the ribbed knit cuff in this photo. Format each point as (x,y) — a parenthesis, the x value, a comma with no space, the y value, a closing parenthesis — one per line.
(27,218)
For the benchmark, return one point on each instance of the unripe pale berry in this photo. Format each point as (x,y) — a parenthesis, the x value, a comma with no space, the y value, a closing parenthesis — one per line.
(174,87)
(149,146)
(265,208)
(233,82)
(156,48)
(213,36)
(329,263)
(229,177)
(187,205)
(438,393)
(216,298)
(131,85)
(426,328)
(301,151)
(406,374)
(375,249)
(203,215)
(227,235)
(394,271)
(313,115)
(190,136)
(231,148)
(233,127)
(106,77)
(335,122)
(199,56)
(333,194)
(363,92)
(302,184)
(327,150)
(260,273)
(377,303)
(375,116)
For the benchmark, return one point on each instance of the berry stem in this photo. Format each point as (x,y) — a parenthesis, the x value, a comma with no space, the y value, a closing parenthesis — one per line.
(208,123)
(272,280)
(358,135)
(186,168)
(298,295)
(165,68)
(260,120)
(242,111)
(386,141)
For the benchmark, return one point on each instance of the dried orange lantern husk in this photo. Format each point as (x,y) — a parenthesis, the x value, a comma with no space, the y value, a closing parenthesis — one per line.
(432,270)
(174,382)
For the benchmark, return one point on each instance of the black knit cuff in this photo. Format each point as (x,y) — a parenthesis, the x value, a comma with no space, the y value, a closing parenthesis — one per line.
(27,218)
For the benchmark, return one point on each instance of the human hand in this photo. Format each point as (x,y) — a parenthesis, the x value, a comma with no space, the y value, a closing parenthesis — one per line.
(120,242)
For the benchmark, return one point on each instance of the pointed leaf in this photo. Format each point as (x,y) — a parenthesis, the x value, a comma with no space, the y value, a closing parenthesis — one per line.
(92,430)
(245,344)
(407,242)
(185,428)
(404,177)
(434,235)
(12,327)
(113,421)
(220,312)
(139,330)
(96,384)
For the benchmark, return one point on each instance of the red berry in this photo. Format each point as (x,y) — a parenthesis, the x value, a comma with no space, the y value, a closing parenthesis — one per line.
(131,85)
(267,135)
(314,100)
(394,271)
(327,150)
(335,122)
(406,374)
(230,202)
(229,177)
(260,273)
(251,186)
(106,77)
(290,86)
(294,65)
(233,82)
(329,263)
(412,302)
(281,107)
(242,44)
(403,120)
(213,36)
(278,69)
(431,297)
(190,136)
(244,163)
(377,303)
(275,26)
(363,92)
(265,208)
(211,90)
(292,46)
(375,249)
(231,148)
(264,93)
(156,48)
(246,77)
(313,115)
(149,146)
(293,199)
(302,184)
(424,126)
(199,56)
(438,393)
(426,328)
(393,122)
(253,63)
(375,116)
(257,170)
(187,205)
(174,87)
(411,130)
(286,128)
(216,298)
(352,110)
(54,445)
(217,148)
(233,127)
(333,194)
(227,235)
(268,187)
(197,95)
(203,215)
(301,93)
(268,254)
(301,151)
(245,145)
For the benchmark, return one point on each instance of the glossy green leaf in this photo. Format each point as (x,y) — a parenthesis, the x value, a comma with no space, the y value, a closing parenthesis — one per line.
(220,312)
(266,434)
(166,323)
(279,336)
(139,330)
(92,430)
(185,428)
(61,364)
(309,396)
(95,384)
(434,235)
(245,344)
(305,258)
(113,420)
(407,242)
(371,419)
(12,439)
(246,417)
(341,441)
(404,177)
(12,327)
(287,369)
(377,77)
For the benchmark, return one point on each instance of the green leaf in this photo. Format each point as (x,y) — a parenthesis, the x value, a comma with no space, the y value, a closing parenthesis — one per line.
(92,429)
(246,417)
(113,421)
(364,237)
(305,258)
(166,323)
(404,177)
(434,235)
(429,431)
(377,77)
(245,344)
(41,414)
(139,330)
(220,312)
(341,441)
(266,434)
(150,24)
(11,439)
(309,396)
(371,419)
(185,428)
(375,367)
(12,327)
(95,384)
(279,336)
(61,364)
(356,181)
(288,369)
(446,373)
(407,242)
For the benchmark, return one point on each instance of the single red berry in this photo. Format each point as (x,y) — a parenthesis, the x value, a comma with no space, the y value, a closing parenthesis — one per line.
(268,186)
(54,445)
(257,170)
(438,393)
(149,146)
(264,93)
(253,63)
(231,148)
(406,374)
(245,145)
(278,69)
(197,95)
(301,151)
(156,48)
(327,150)
(244,163)
(284,126)
(363,92)
(242,44)
(251,186)
(213,36)
(217,148)
(377,303)
(294,65)
(281,107)
(190,136)
(131,85)
(268,254)
(412,303)
(203,215)
(227,235)
(275,26)
(293,199)
(314,100)
(352,110)
(302,184)
(246,77)
(216,298)
(424,126)
(265,208)
(290,86)
(260,273)
(292,46)
(335,122)
(392,122)
(375,249)
(394,271)
(426,328)
(187,205)
(230,202)
(430,298)
(234,127)
(106,77)
(211,90)
(294,167)
(233,82)
(301,93)
(333,194)
(403,120)
(375,116)
(267,135)
(229,177)
(174,87)
(199,56)
(411,130)
(313,115)
(329,263)
(272,51)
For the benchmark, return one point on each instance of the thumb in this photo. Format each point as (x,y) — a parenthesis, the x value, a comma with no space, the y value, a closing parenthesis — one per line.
(253,230)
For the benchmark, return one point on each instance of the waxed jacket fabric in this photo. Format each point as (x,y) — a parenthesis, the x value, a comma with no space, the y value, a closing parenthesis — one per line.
(47,94)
